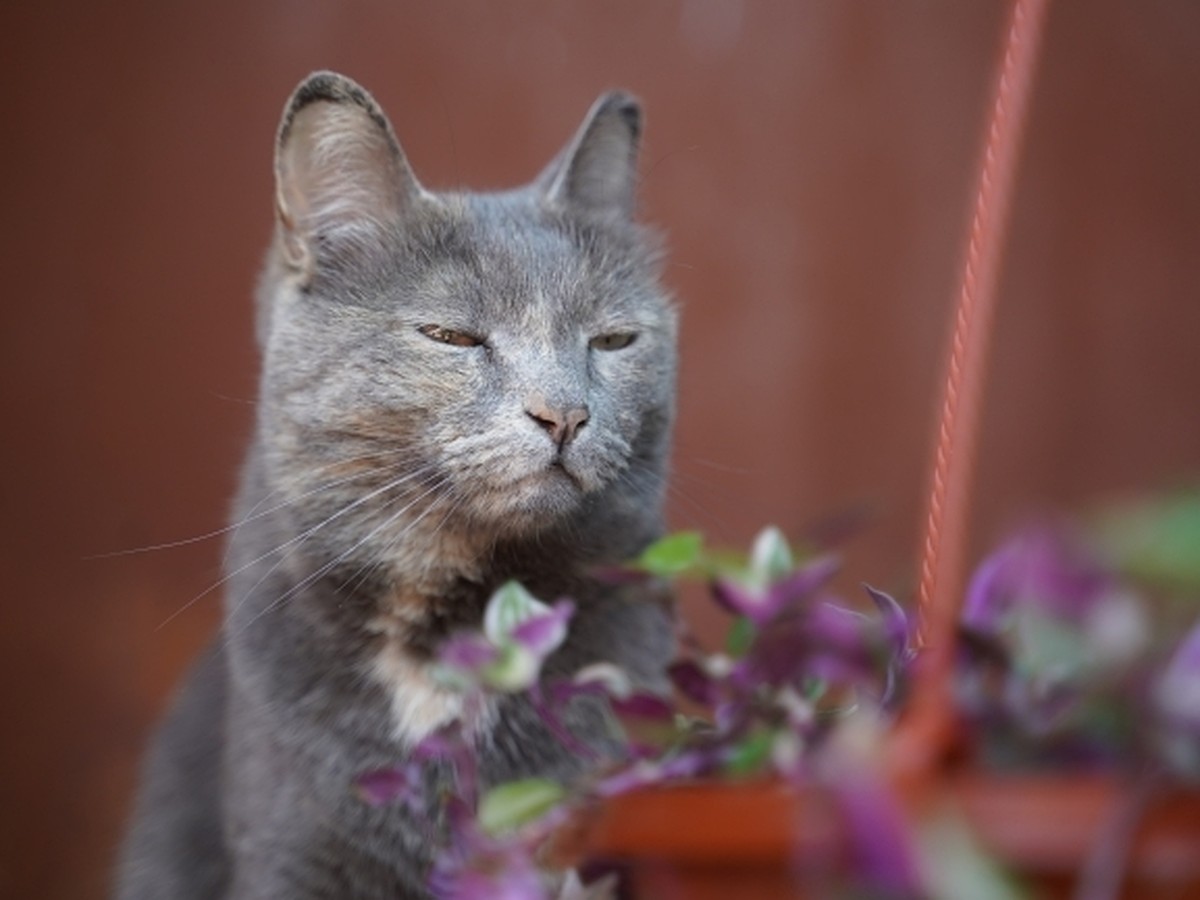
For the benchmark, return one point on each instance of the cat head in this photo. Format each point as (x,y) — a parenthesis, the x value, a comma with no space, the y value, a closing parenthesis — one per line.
(489,362)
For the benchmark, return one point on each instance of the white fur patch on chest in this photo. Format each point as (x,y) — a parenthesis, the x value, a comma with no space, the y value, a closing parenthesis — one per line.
(420,705)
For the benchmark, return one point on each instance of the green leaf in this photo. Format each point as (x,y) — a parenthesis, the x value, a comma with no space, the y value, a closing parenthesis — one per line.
(1158,540)
(740,637)
(515,669)
(814,689)
(750,755)
(1047,648)
(509,607)
(673,554)
(510,805)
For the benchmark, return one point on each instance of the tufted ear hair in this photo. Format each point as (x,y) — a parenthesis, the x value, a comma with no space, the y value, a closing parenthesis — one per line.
(596,173)
(341,179)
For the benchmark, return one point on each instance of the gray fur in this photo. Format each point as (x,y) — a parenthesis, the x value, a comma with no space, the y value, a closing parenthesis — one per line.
(399,473)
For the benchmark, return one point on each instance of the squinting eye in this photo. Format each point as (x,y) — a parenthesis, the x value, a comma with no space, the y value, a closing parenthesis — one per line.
(450,336)
(618,340)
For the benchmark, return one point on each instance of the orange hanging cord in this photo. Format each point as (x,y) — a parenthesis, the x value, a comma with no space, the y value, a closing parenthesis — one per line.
(925,732)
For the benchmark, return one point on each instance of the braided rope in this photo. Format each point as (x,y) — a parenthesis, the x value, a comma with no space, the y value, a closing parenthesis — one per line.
(944,545)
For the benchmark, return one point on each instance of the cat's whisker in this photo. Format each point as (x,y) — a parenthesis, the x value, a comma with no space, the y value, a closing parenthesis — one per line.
(333,563)
(668,482)
(712,523)
(715,466)
(382,557)
(251,516)
(662,158)
(304,535)
(236,526)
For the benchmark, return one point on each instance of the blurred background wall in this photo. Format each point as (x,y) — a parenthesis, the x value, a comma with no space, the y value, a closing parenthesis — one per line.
(812,165)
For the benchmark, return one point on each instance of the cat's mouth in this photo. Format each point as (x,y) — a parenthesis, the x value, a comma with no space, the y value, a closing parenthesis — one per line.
(558,468)
(540,495)
(549,481)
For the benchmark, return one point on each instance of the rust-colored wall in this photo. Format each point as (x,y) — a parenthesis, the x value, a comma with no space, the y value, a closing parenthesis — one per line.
(812,164)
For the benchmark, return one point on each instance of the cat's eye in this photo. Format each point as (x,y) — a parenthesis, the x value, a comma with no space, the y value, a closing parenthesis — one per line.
(450,336)
(617,340)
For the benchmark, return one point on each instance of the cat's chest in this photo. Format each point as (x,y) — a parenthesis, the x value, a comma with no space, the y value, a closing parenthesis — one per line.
(419,703)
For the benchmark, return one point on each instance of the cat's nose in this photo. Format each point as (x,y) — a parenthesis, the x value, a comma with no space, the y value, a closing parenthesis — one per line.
(562,424)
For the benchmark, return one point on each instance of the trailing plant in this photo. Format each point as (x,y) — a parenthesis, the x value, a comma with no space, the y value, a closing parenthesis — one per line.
(1070,654)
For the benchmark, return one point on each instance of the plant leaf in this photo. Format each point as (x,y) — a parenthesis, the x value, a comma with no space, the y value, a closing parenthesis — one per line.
(509,607)
(380,787)
(770,558)
(740,637)
(673,554)
(693,682)
(510,805)
(542,634)
(610,678)
(514,669)
(1158,540)
(750,755)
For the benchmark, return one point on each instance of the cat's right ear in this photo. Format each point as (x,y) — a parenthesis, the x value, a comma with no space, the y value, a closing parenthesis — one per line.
(596,173)
(341,180)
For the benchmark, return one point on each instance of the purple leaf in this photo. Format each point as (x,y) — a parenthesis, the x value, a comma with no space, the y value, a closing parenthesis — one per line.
(688,764)
(826,642)
(510,605)
(542,634)
(895,621)
(440,744)
(382,787)
(837,627)
(762,605)
(736,598)
(880,839)
(896,629)
(450,744)
(989,594)
(512,877)
(643,706)
(803,584)
(641,773)
(470,653)
(693,682)
(1178,690)
(645,772)
(1042,568)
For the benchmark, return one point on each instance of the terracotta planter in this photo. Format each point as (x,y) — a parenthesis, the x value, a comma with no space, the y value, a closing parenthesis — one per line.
(763,840)
(711,840)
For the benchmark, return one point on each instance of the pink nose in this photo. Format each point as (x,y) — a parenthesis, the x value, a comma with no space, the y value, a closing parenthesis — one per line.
(561,424)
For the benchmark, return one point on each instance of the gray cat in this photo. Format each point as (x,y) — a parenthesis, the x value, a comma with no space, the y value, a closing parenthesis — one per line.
(458,389)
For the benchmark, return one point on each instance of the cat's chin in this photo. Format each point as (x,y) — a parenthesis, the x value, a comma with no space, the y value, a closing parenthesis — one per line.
(534,502)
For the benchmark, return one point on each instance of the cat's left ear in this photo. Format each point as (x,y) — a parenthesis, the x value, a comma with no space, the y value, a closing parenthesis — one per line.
(596,173)
(342,183)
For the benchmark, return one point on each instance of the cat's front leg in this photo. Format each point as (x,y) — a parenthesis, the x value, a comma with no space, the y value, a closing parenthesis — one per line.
(297,829)
(304,852)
